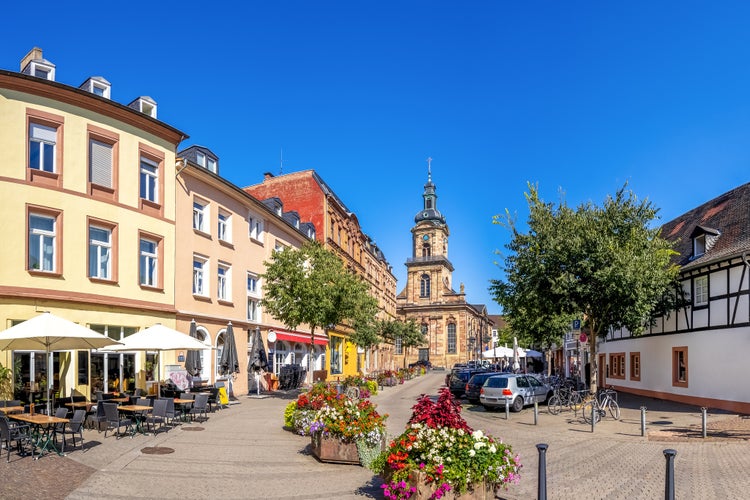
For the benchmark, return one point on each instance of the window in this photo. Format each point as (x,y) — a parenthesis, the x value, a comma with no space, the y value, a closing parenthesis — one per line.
(700,294)
(223,285)
(426,250)
(149,180)
(42,145)
(424,286)
(255,227)
(200,215)
(100,163)
(100,253)
(336,347)
(617,365)
(699,245)
(211,165)
(200,159)
(680,366)
(398,346)
(225,226)
(635,366)
(149,262)
(253,309)
(252,284)
(200,266)
(451,338)
(42,242)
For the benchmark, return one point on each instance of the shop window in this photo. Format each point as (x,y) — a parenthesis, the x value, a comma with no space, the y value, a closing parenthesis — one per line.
(617,365)
(336,346)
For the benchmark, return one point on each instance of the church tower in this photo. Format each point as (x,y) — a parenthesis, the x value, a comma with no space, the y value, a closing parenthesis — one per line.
(454,331)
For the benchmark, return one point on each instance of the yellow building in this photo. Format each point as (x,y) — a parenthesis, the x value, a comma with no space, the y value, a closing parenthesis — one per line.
(87,194)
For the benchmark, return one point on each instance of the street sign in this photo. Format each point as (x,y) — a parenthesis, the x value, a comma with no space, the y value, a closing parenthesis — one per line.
(583,337)
(576,324)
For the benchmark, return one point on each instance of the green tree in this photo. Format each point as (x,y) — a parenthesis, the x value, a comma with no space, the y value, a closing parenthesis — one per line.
(310,286)
(606,265)
(408,332)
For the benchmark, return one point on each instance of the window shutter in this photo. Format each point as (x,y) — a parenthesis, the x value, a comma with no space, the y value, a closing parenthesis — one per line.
(42,133)
(100,169)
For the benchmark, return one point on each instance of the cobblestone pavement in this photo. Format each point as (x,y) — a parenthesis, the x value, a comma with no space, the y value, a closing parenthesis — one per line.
(244,452)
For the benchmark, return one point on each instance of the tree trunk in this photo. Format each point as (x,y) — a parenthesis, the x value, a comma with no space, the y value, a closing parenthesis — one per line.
(310,361)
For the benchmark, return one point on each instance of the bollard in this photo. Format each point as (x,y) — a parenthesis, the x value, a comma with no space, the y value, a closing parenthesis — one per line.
(643,420)
(542,480)
(669,478)
(703,420)
(593,414)
(507,409)
(536,412)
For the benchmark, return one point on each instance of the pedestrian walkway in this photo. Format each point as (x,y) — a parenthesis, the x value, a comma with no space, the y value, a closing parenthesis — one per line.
(244,452)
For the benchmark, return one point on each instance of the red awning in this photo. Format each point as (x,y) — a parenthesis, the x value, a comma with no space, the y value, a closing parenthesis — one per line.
(303,338)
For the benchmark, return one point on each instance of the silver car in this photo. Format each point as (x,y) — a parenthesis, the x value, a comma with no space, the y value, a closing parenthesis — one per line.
(517,389)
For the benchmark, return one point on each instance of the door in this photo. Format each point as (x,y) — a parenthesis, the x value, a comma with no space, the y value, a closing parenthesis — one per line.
(525,389)
(538,390)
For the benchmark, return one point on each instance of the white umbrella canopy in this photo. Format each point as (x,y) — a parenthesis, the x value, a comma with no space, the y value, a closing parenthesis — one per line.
(157,338)
(531,353)
(49,333)
(498,352)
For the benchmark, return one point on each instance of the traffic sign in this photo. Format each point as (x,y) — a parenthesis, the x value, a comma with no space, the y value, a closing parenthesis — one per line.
(583,337)
(576,324)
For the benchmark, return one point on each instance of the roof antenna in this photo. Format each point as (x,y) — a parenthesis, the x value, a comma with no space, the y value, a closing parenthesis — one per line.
(281,161)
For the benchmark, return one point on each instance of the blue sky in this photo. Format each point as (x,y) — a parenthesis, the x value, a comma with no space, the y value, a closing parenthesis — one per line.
(579,97)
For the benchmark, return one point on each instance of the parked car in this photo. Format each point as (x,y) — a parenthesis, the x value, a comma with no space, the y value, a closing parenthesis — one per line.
(456,368)
(458,380)
(474,386)
(517,389)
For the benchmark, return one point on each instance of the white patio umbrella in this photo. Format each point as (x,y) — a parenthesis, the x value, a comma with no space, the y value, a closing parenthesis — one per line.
(50,333)
(498,352)
(531,353)
(157,338)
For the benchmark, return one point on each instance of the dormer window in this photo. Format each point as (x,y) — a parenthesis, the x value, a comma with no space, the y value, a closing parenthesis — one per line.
(704,239)
(34,64)
(145,105)
(97,86)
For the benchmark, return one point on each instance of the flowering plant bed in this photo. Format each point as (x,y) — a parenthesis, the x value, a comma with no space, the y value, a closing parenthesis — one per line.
(323,413)
(439,454)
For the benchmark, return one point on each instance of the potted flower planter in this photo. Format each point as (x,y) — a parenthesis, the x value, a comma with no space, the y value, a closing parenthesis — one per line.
(330,449)
(479,491)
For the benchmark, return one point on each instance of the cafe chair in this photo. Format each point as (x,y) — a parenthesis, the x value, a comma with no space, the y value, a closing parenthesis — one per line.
(94,421)
(17,434)
(75,426)
(199,407)
(158,416)
(170,413)
(115,422)
(59,428)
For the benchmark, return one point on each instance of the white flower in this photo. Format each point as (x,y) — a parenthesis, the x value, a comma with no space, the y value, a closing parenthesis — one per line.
(477,434)
(478,446)
(472,453)
(492,448)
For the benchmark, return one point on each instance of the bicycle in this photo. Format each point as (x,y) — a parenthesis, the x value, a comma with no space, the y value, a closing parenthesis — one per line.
(604,401)
(564,396)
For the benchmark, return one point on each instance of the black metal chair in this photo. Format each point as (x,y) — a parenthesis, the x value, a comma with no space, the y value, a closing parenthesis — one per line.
(73,427)
(199,408)
(15,434)
(115,422)
(157,419)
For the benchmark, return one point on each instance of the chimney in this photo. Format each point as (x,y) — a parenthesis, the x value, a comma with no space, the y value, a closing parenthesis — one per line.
(33,55)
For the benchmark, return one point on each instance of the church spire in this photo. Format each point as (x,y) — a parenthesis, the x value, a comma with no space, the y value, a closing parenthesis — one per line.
(429,200)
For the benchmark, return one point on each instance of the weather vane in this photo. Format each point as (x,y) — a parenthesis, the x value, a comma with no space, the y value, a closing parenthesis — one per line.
(429,169)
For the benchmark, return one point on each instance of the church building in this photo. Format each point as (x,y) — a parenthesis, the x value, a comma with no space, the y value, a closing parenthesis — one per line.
(454,331)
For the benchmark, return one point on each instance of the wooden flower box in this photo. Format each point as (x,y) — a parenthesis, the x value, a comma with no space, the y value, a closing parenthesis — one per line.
(425,490)
(329,449)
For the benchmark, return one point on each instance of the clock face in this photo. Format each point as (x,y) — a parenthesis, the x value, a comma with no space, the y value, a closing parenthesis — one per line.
(424,214)
(425,237)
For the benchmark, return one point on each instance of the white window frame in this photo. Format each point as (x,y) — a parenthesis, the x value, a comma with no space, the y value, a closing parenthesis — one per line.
(255,227)
(200,276)
(200,215)
(149,263)
(225,226)
(100,254)
(211,165)
(200,159)
(253,309)
(700,285)
(224,282)
(44,138)
(41,239)
(149,180)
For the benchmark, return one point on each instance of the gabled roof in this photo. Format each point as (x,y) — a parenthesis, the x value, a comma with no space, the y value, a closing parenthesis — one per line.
(727,216)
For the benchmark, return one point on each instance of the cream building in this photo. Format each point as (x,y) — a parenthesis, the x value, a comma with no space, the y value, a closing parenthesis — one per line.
(88,199)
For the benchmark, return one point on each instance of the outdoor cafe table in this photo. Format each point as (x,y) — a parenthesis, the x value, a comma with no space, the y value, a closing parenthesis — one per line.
(80,404)
(11,409)
(43,433)
(117,400)
(184,405)
(138,412)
